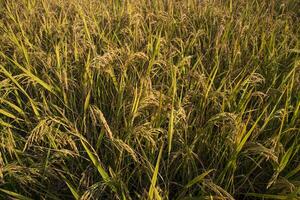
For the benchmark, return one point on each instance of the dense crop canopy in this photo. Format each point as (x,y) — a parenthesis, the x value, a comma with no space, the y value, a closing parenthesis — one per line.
(149,99)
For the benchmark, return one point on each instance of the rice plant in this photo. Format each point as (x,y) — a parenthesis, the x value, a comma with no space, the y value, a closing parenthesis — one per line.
(139,99)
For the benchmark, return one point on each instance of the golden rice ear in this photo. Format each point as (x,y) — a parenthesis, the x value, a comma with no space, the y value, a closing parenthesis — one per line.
(98,113)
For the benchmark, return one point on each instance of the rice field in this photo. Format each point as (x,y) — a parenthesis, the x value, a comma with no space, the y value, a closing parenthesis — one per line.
(150,99)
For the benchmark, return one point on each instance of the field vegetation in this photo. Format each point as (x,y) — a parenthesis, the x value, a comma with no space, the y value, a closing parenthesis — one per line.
(149,99)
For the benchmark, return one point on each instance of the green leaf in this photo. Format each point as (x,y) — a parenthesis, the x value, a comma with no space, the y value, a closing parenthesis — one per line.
(95,161)
(72,188)
(15,195)
(7,114)
(152,189)
(29,74)
(198,178)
